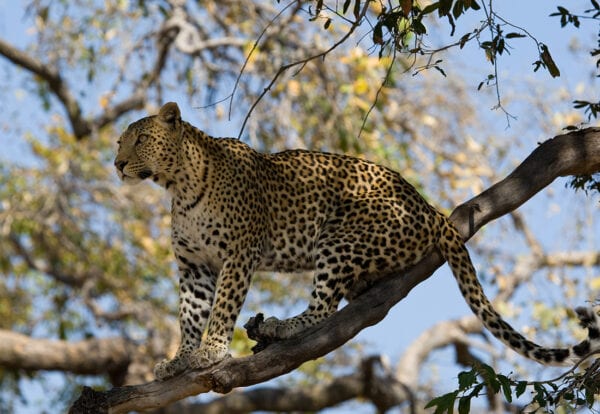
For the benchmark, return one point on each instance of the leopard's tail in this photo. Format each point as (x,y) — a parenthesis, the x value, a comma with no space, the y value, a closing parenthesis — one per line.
(456,254)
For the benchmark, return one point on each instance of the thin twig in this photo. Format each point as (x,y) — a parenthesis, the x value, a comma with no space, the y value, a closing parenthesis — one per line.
(302,62)
(254,46)
(490,19)
(569,371)
(381,86)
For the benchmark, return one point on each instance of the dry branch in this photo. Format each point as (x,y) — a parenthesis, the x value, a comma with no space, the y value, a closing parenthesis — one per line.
(81,126)
(573,153)
(87,357)
(373,380)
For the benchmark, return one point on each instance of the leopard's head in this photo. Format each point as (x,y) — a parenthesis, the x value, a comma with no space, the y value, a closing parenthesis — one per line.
(148,147)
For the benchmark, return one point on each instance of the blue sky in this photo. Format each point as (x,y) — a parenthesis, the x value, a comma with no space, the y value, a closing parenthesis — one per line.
(438,298)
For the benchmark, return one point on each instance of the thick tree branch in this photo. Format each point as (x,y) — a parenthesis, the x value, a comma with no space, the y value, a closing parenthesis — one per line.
(188,38)
(54,81)
(43,266)
(573,153)
(438,336)
(372,381)
(81,126)
(87,357)
(135,101)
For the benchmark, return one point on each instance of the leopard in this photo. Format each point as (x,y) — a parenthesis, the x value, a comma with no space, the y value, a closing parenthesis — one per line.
(236,211)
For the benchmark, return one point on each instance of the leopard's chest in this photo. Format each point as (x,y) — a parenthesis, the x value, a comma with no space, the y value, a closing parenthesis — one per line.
(199,236)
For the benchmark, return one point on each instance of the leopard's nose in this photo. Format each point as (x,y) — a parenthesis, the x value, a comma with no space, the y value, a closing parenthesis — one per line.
(120,164)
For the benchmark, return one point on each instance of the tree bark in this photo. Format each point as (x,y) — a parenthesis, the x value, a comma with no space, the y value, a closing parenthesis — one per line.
(573,153)
(373,380)
(87,357)
(82,127)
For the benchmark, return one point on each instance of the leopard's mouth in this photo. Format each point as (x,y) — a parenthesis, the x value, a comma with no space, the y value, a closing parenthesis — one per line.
(145,174)
(127,179)
(132,179)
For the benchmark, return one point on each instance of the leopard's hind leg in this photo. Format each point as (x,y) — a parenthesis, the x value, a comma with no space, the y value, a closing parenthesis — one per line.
(363,239)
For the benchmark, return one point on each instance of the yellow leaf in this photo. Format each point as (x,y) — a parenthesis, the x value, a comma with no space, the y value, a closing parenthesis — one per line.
(294,88)
(595,283)
(103,101)
(251,52)
(361,86)
(148,244)
(461,157)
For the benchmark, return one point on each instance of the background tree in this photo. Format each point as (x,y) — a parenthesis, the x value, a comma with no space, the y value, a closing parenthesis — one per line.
(88,287)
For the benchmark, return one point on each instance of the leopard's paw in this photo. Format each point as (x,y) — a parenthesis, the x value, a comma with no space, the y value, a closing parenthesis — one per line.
(274,329)
(168,368)
(265,332)
(208,355)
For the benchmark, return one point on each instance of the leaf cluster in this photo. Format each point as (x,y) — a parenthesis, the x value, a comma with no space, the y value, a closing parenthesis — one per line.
(566,18)
(569,392)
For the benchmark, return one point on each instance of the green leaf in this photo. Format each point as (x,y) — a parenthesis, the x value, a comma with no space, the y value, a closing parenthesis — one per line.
(514,35)
(452,24)
(500,47)
(458,8)
(540,394)
(345,6)
(463,40)
(486,371)
(356,10)
(43,14)
(444,403)
(378,34)
(505,384)
(589,397)
(430,8)
(466,379)
(444,7)
(464,405)
(520,388)
(419,28)
(549,62)
(319,6)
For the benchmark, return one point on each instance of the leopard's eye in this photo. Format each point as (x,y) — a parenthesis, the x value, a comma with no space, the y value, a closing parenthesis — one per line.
(142,138)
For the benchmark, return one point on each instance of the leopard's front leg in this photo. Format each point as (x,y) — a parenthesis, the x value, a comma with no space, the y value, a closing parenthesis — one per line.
(232,286)
(196,294)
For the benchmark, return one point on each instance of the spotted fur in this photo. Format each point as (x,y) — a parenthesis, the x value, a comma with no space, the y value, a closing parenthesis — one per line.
(235,211)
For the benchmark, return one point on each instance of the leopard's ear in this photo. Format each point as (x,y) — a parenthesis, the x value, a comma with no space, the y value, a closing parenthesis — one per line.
(169,113)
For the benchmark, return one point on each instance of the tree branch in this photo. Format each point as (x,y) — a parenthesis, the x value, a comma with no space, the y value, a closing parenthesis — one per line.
(373,381)
(43,266)
(573,153)
(81,126)
(87,357)
(135,101)
(54,81)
